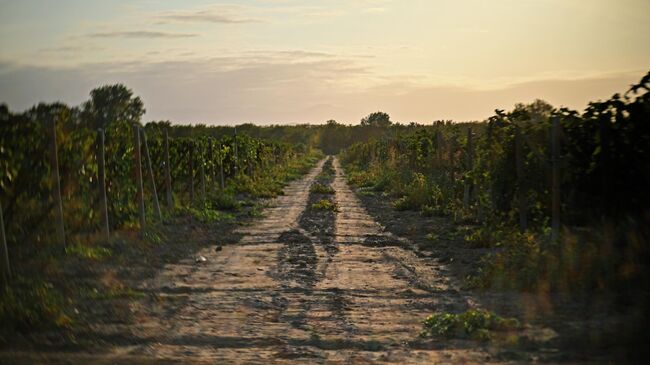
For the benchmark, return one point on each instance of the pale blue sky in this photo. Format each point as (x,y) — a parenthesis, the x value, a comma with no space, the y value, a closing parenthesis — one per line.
(308,61)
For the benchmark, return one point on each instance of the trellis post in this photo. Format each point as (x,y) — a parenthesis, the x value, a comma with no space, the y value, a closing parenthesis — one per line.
(58,202)
(555,188)
(138,174)
(154,191)
(202,173)
(191,167)
(6,268)
(223,181)
(101,162)
(212,172)
(235,151)
(521,188)
(470,163)
(168,175)
(439,142)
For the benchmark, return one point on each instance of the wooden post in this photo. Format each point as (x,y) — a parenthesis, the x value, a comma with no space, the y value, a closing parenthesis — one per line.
(439,140)
(191,166)
(138,174)
(555,188)
(168,175)
(202,173)
(212,172)
(154,191)
(101,162)
(521,188)
(450,167)
(235,151)
(6,269)
(605,164)
(470,164)
(58,202)
(223,181)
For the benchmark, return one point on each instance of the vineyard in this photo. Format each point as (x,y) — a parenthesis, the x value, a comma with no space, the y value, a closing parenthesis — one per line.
(521,238)
(197,167)
(66,187)
(561,195)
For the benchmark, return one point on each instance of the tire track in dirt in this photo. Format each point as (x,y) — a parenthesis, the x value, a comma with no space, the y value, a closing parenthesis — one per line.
(299,287)
(243,304)
(376,291)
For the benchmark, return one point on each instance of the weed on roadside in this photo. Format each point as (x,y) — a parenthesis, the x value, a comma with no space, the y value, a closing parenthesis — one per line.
(474,324)
(319,188)
(325,204)
(88,252)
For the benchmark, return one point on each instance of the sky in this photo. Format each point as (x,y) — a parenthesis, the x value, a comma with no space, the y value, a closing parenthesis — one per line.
(308,61)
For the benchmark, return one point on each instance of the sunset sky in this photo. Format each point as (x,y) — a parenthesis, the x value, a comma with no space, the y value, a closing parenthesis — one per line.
(292,61)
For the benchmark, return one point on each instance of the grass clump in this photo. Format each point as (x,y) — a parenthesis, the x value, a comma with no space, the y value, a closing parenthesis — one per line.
(319,188)
(474,324)
(152,236)
(325,204)
(88,252)
(260,187)
(223,200)
(208,215)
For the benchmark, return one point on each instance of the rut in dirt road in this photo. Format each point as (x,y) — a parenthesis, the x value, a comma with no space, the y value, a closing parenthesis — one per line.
(302,285)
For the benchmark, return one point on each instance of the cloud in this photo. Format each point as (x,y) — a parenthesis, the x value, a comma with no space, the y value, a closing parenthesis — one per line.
(283,89)
(219,14)
(141,34)
(71,49)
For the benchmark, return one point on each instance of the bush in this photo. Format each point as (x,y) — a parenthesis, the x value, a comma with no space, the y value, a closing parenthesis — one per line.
(417,194)
(476,324)
(520,262)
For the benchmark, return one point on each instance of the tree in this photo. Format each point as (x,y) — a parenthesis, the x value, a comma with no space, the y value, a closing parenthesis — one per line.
(334,137)
(109,104)
(376,119)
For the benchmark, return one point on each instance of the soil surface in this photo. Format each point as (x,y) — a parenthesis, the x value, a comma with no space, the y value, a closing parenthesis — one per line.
(303,285)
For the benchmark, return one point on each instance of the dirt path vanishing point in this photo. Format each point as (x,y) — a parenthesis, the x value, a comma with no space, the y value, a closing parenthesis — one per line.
(288,294)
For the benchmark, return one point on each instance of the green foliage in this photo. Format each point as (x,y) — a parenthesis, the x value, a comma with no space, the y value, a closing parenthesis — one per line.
(109,104)
(417,194)
(474,323)
(319,188)
(603,158)
(260,168)
(519,264)
(223,200)
(152,235)
(28,304)
(207,215)
(325,204)
(88,252)
(377,120)
(584,261)
(269,187)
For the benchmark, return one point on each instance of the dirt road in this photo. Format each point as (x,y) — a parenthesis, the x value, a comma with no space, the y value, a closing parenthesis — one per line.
(283,295)
(299,287)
